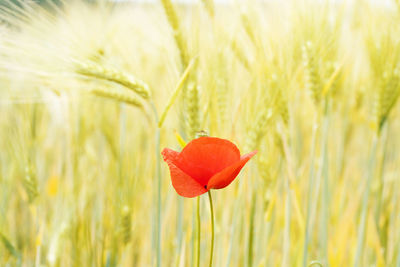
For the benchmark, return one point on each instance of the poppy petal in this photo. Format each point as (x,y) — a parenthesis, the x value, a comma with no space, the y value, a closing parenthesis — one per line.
(205,156)
(169,154)
(184,185)
(227,175)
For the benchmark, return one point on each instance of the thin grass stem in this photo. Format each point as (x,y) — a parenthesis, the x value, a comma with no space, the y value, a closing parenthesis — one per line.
(286,231)
(251,232)
(364,207)
(381,176)
(158,181)
(309,195)
(325,190)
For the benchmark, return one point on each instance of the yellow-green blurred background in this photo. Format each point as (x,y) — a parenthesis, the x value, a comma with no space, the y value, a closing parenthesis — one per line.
(311,85)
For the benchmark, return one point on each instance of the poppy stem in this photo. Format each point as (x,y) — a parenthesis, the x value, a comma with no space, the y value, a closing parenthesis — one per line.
(198,231)
(212,227)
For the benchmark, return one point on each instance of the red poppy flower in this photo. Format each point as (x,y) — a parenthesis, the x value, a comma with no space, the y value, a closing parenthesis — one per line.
(204,163)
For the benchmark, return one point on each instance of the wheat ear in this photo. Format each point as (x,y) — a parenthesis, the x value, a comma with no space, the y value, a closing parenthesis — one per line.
(114,75)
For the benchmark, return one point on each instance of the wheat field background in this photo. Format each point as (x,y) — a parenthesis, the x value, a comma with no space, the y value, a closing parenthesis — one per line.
(91,92)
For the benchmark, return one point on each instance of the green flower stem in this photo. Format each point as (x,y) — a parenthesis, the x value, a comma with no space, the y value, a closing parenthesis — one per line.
(212,227)
(198,231)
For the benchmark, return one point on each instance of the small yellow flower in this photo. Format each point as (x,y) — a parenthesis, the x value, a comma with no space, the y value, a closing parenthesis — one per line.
(52,185)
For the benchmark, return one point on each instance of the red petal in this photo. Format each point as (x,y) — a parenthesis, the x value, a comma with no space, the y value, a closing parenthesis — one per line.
(227,175)
(205,156)
(169,154)
(184,185)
